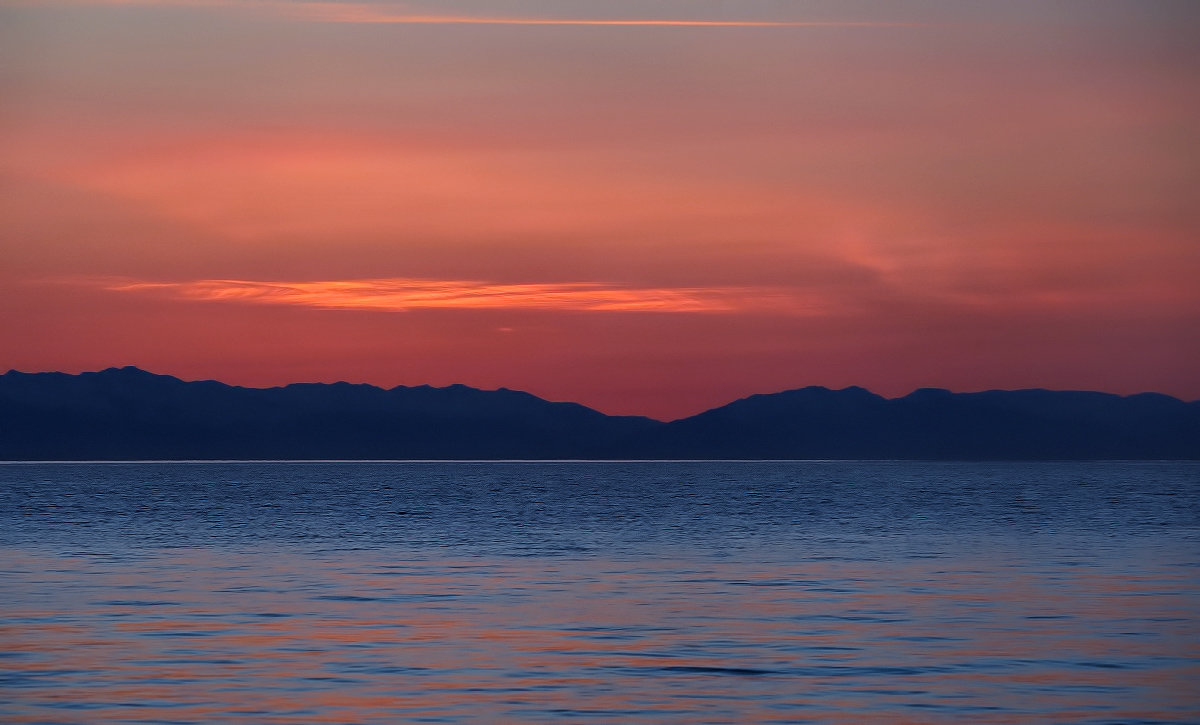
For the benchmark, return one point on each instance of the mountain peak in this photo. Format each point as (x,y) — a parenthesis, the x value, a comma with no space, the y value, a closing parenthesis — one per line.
(129,371)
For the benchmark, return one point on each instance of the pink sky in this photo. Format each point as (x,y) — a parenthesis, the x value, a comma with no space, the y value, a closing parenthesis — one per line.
(646,207)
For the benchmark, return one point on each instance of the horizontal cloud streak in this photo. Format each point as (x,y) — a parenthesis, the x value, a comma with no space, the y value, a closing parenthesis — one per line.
(401,294)
(339,13)
(383,13)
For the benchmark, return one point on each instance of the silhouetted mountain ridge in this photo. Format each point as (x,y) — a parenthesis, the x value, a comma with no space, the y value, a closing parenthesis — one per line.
(932,423)
(126,413)
(130,414)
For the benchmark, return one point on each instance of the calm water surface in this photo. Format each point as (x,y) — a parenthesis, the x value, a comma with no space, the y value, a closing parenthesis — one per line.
(600,592)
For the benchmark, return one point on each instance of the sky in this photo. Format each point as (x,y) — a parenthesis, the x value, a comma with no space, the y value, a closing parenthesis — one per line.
(649,207)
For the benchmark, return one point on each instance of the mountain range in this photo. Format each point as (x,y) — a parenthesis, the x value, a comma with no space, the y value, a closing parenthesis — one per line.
(131,414)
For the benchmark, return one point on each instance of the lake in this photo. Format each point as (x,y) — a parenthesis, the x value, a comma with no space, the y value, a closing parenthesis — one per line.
(603,592)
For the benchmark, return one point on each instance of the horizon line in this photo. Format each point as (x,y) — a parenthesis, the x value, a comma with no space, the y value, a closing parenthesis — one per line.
(123,461)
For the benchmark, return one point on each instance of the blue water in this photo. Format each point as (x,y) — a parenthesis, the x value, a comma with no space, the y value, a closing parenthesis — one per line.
(746,592)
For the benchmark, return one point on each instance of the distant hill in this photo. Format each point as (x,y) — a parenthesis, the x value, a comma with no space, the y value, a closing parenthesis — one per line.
(130,414)
(939,425)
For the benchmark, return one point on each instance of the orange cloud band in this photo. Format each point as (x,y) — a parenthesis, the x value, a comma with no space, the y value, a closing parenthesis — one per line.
(400,294)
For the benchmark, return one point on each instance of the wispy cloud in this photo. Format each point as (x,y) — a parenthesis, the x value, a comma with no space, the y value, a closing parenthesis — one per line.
(399,14)
(401,294)
(367,13)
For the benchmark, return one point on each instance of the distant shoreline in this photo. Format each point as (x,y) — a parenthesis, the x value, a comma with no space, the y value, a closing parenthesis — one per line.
(127,415)
(489,461)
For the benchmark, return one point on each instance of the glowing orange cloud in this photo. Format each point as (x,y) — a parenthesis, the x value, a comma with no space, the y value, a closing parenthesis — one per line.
(400,294)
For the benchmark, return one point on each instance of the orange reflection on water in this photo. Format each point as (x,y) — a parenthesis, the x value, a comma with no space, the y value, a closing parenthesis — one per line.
(277,638)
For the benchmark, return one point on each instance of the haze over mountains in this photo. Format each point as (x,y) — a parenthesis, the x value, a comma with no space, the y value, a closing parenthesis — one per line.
(130,414)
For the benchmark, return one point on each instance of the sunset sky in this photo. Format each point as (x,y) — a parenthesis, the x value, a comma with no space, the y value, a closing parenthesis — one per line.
(647,207)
